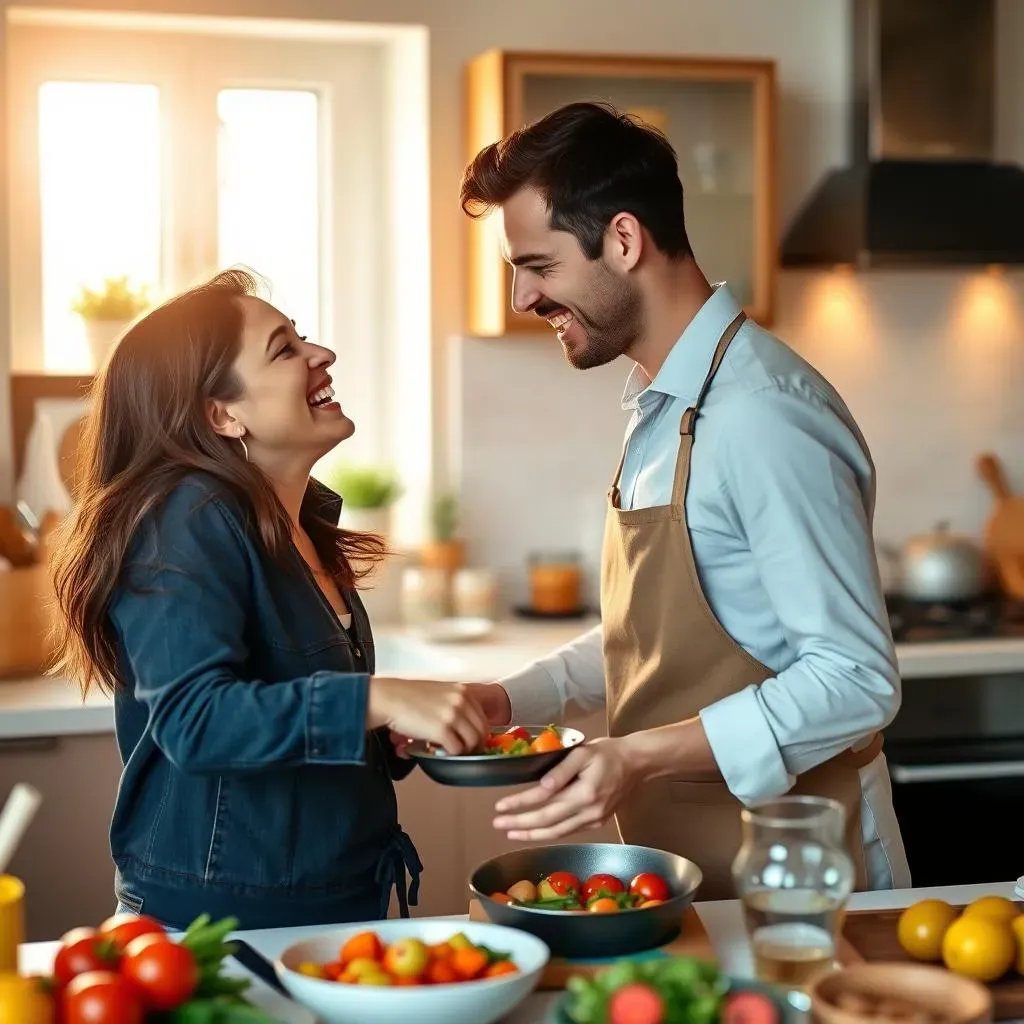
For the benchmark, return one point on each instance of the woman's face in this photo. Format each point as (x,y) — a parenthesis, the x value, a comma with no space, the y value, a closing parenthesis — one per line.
(287,409)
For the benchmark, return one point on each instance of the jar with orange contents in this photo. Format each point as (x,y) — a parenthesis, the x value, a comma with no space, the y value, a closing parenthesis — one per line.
(555,582)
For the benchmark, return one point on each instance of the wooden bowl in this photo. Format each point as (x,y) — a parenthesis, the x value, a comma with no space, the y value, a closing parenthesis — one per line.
(898,993)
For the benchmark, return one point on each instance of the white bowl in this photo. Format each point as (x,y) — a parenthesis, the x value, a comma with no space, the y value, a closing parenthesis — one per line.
(468,1002)
(456,630)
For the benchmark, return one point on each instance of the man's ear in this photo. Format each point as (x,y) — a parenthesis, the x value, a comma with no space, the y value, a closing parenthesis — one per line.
(623,242)
(221,420)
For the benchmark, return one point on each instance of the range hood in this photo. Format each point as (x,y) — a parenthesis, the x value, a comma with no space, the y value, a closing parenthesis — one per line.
(923,187)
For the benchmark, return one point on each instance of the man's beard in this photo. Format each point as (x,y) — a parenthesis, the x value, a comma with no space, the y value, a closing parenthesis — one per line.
(612,325)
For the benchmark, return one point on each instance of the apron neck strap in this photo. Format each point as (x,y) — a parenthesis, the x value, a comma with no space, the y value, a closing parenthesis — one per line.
(689,418)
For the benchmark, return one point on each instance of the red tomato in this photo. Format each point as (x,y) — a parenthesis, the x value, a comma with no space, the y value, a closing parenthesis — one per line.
(563,883)
(101,997)
(122,928)
(163,971)
(601,883)
(749,1008)
(81,950)
(518,732)
(636,1004)
(649,886)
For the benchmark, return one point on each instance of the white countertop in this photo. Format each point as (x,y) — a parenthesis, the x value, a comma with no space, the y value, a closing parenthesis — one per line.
(53,707)
(722,919)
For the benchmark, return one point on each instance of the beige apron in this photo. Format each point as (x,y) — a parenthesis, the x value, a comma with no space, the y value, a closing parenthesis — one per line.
(666,656)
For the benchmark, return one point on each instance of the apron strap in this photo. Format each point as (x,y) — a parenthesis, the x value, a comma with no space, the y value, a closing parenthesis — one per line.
(399,857)
(688,421)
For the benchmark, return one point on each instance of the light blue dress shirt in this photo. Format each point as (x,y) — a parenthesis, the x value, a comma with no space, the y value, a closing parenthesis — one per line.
(779,505)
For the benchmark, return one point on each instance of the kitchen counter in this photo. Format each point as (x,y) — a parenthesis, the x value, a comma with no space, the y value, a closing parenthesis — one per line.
(53,707)
(722,919)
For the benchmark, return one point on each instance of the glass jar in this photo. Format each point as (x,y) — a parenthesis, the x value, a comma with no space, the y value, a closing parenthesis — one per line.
(794,876)
(555,582)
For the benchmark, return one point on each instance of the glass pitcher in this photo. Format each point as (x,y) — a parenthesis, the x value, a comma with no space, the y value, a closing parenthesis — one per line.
(794,876)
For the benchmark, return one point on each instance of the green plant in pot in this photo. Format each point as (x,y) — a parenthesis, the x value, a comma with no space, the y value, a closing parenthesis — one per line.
(445,550)
(107,311)
(367,493)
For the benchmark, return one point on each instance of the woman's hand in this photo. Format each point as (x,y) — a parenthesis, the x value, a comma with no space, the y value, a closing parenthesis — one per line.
(448,714)
(491,697)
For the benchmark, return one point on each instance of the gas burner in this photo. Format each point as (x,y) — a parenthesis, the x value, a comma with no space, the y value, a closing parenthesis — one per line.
(984,617)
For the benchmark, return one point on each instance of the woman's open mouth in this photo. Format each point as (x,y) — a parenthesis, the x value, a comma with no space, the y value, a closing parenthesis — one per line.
(322,398)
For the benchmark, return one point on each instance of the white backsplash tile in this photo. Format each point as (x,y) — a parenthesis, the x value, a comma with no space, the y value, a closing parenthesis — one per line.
(931,364)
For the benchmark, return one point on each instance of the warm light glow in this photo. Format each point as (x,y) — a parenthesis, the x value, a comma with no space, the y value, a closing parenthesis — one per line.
(99,166)
(268,207)
(838,307)
(988,307)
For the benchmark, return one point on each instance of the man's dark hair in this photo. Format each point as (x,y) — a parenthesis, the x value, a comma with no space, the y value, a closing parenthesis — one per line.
(589,162)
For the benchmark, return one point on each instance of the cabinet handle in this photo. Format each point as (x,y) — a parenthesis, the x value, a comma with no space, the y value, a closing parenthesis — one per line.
(957,772)
(17,744)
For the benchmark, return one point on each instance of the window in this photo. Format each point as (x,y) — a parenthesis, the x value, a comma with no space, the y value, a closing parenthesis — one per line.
(99,189)
(165,148)
(268,209)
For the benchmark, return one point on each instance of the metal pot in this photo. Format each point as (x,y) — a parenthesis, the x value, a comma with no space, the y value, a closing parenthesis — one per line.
(942,567)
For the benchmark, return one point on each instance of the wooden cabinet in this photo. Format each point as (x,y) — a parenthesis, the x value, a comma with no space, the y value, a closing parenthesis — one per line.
(719,116)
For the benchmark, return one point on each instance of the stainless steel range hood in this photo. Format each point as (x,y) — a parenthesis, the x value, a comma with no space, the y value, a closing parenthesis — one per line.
(923,187)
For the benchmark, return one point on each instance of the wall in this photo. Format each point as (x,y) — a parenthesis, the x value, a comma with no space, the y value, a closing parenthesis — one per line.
(929,363)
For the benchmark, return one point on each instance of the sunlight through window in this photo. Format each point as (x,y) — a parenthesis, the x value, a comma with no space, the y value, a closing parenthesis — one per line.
(99,165)
(268,208)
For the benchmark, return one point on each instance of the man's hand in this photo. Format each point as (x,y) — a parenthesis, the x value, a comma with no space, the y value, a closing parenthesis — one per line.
(581,791)
(492,699)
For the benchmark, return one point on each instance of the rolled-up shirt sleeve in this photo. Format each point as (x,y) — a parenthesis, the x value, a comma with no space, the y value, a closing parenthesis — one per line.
(797,484)
(572,675)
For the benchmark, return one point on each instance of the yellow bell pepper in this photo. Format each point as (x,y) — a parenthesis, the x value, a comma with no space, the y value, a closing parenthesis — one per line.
(24,1001)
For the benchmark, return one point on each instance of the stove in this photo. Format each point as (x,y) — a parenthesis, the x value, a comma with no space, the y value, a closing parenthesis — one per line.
(989,617)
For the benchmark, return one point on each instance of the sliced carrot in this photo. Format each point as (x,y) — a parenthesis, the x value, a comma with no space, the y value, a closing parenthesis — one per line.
(439,951)
(469,963)
(440,972)
(496,970)
(362,945)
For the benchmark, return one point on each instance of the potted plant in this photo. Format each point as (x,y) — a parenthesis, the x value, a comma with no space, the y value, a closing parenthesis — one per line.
(106,312)
(446,550)
(367,494)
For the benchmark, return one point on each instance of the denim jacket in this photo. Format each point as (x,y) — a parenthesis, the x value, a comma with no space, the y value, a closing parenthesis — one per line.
(251,786)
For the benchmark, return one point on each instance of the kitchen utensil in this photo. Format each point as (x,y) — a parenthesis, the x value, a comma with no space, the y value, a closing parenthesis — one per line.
(692,940)
(257,964)
(791,1006)
(491,769)
(941,567)
(1004,534)
(837,996)
(871,937)
(585,934)
(17,815)
(469,1002)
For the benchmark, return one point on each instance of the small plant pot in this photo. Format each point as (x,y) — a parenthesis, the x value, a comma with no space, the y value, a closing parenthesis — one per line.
(101,335)
(366,520)
(446,555)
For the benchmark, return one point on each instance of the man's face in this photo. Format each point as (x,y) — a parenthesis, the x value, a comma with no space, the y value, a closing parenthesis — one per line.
(596,311)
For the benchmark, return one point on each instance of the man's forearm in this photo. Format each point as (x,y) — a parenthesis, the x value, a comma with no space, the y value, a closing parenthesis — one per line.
(680,750)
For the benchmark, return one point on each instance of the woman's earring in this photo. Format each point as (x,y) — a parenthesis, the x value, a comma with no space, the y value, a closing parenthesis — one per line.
(241,441)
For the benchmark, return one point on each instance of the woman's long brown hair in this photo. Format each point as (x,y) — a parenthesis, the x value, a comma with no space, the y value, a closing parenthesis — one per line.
(146,429)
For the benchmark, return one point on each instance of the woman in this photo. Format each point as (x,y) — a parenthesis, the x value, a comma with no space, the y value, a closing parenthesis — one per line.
(203,581)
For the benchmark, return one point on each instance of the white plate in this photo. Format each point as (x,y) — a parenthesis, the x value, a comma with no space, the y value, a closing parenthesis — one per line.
(457,630)
(470,1002)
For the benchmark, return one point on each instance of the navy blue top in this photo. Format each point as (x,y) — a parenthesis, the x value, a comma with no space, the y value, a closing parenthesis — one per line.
(251,786)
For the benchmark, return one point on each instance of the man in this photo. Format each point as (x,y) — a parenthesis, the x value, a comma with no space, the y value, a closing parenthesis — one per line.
(744,650)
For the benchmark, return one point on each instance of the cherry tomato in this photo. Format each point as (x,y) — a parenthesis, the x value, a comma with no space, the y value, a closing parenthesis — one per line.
(604,905)
(122,928)
(601,883)
(81,950)
(163,971)
(563,883)
(649,886)
(517,732)
(101,997)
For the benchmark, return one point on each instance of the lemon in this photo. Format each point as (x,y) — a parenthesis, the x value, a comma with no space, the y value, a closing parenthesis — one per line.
(997,907)
(979,947)
(921,927)
(1017,925)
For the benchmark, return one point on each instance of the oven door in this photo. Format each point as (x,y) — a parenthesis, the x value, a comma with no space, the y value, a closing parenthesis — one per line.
(956,804)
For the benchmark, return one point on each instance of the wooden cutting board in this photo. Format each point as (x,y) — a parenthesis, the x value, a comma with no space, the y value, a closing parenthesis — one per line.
(1004,532)
(693,940)
(871,935)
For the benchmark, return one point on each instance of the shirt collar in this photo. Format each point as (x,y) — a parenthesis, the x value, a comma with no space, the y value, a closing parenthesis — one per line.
(686,366)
